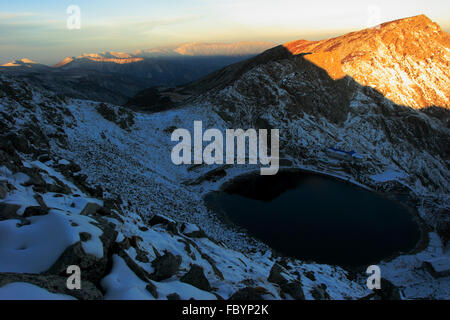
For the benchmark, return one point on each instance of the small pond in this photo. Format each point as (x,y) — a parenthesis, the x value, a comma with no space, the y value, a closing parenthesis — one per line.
(313,217)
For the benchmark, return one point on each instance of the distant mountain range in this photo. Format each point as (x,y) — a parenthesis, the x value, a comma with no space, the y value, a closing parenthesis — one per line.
(117,76)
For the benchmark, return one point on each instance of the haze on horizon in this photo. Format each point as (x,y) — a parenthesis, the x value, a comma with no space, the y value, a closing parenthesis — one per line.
(38,30)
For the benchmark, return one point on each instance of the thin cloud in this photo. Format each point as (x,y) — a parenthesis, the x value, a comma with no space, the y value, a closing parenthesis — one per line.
(16,15)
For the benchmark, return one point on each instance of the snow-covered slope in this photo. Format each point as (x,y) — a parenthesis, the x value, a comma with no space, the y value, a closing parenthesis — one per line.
(128,220)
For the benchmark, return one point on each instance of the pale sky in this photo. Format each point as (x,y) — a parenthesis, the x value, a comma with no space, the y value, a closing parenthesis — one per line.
(38,29)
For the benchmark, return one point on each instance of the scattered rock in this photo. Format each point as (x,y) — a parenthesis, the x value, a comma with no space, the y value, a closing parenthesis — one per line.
(56,188)
(198,234)
(165,266)
(94,268)
(388,291)
(211,176)
(275,275)
(40,200)
(170,225)
(173,296)
(294,289)
(443,230)
(4,189)
(142,256)
(84,236)
(157,219)
(319,292)
(152,289)
(73,167)
(125,243)
(310,275)
(21,143)
(138,271)
(90,209)
(35,211)
(35,178)
(8,211)
(44,158)
(134,241)
(196,278)
(248,294)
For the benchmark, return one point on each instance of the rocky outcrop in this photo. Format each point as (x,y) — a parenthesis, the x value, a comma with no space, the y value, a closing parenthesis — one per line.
(8,211)
(165,266)
(275,275)
(94,268)
(388,291)
(196,277)
(35,211)
(293,288)
(319,292)
(120,116)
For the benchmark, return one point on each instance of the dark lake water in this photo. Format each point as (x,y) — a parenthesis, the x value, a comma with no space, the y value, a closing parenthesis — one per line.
(311,217)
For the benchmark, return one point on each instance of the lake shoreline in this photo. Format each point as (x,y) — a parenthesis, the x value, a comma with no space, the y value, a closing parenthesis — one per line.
(408,204)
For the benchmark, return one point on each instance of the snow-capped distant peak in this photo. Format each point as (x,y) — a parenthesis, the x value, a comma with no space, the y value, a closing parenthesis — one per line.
(18,63)
(64,62)
(223,49)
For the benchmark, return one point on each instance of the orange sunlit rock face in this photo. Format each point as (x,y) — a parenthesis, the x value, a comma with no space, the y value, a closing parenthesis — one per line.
(116,60)
(407,60)
(328,61)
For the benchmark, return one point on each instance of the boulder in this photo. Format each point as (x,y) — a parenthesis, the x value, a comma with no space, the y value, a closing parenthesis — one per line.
(58,187)
(165,266)
(90,209)
(170,225)
(196,278)
(319,292)
(138,271)
(44,158)
(173,296)
(443,230)
(275,275)
(294,289)
(35,178)
(93,268)
(157,219)
(84,236)
(150,287)
(197,234)
(73,167)
(388,291)
(4,189)
(142,256)
(21,143)
(8,211)
(35,211)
